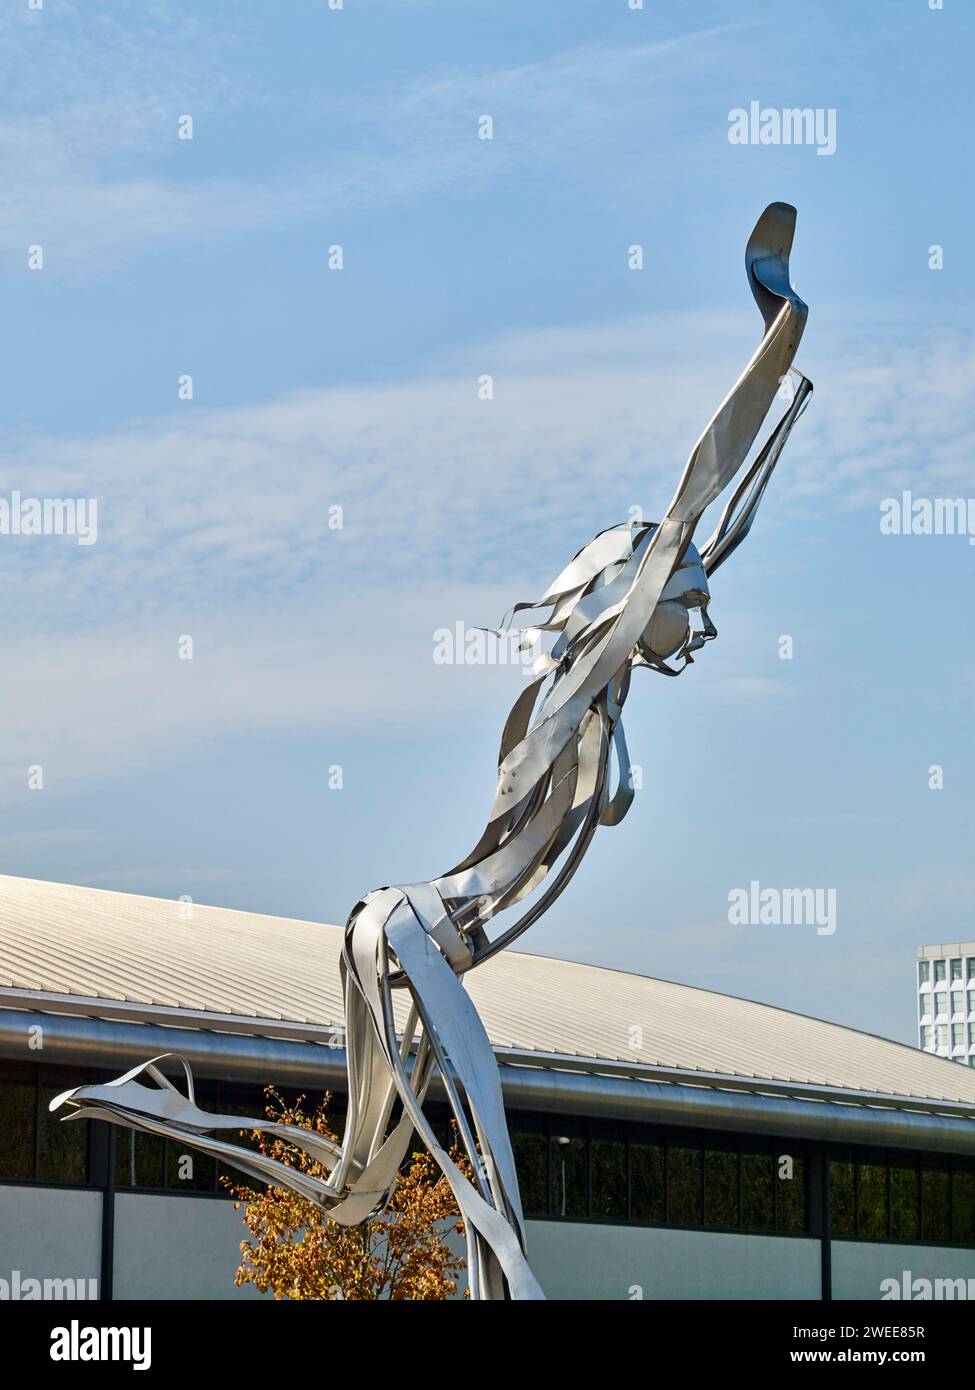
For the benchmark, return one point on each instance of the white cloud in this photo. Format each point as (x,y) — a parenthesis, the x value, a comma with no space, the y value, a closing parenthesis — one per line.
(91,177)
(83,170)
(436,485)
(548,108)
(215,523)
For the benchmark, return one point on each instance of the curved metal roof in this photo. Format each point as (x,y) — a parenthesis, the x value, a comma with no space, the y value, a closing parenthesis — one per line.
(122,956)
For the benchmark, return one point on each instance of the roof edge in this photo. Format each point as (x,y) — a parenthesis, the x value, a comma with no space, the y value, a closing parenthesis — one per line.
(331,1035)
(689,1101)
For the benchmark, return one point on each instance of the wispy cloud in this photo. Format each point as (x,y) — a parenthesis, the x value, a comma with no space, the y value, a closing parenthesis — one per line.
(452,507)
(548,108)
(86,170)
(437,485)
(90,176)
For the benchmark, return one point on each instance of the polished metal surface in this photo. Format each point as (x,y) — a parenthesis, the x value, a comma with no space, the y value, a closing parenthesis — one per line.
(623,603)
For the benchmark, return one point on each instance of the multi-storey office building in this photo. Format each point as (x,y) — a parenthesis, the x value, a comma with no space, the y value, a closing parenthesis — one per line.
(672,1142)
(946,1000)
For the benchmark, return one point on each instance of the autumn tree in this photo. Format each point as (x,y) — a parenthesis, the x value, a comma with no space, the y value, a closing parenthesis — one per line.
(296,1252)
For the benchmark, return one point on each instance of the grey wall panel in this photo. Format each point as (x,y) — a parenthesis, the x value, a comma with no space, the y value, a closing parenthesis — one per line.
(609,1262)
(860,1267)
(50,1233)
(177,1247)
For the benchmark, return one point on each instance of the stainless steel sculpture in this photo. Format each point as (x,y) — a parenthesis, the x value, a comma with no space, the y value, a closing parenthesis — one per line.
(625,601)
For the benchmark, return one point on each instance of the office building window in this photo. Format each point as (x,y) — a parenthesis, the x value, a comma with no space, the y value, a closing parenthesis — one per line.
(62,1149)
(34,1145)
(842,1198)
(757,1191)
(939,972)
(189,1170)
(899,1196)
(570,1173)
(924,972)
(955,970)
(530,1145)
(935,1205)
(958,1002)
(942,1034)
(646,1182)
(684,1186)
(905,1202)
(721,1206)
(941,1003)
(926,1037)
(596,1172)
(569,1169)
(873,1201)
(609,1196)
(790,1193)
(140,1159)
(963,1205)
(18,1130)
(971,967)
(958,1035)
(971,1001)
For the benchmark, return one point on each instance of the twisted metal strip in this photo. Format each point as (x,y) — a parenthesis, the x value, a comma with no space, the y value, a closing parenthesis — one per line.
(606,607)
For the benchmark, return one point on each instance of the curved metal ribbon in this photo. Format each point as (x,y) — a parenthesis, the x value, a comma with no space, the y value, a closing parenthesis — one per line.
(553,790)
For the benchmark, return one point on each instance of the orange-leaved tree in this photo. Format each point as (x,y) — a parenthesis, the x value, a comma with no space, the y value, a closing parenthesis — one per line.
(296,1252)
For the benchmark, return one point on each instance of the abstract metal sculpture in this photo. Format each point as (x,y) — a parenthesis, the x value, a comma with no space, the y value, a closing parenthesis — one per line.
(625,601)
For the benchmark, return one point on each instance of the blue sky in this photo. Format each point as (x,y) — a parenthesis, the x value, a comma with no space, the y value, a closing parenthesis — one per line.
(314,388)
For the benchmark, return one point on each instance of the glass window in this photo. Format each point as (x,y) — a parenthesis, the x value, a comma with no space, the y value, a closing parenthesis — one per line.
(955,970)
(963,1204)
(971,1001)
(842,1208)
(62,1150)
(608,1179)
(958,1001)
(757,1199)
(971,1035)
(140,1159)
(531,1161)
(18,1120)
(958,1035)
(720,1188)
(942,1034)
(583,1171)
(939,972)
(646,1182)
(935,1205)
(905,1202)
(941,1003)
(570,1175)
(971,967)
(790,1194)
(188,1171)
(872,1200)
(684,1186)
(250,1102)
(926,1037)
(924,969)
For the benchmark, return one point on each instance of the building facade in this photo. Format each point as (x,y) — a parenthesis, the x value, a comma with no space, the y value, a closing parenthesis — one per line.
(671,1142)
(946,1000)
